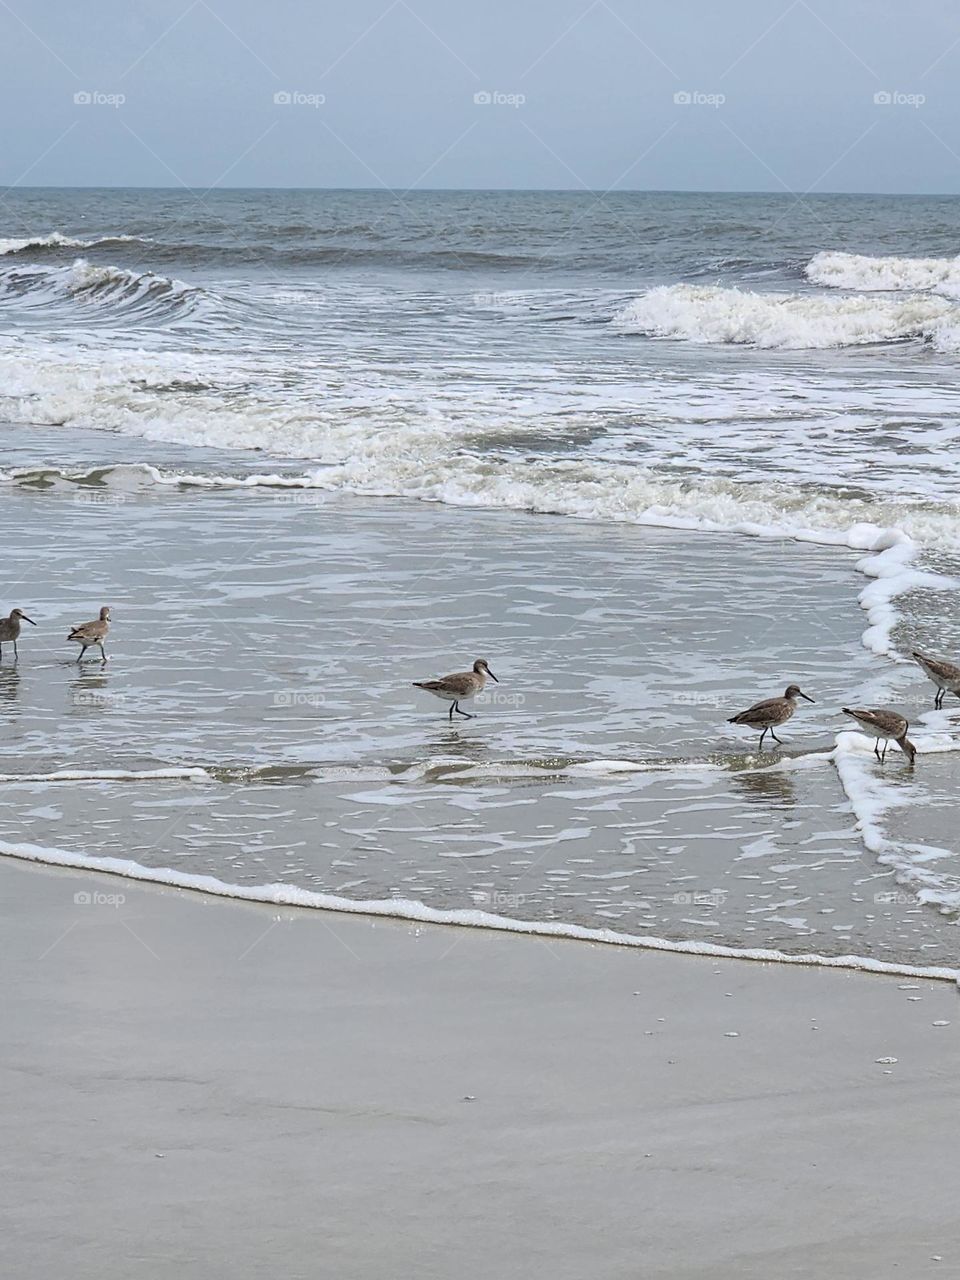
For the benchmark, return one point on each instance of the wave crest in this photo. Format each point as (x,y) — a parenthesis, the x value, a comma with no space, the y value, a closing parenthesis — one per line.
(56,240)
(705,314)
(890,275)
(145,293)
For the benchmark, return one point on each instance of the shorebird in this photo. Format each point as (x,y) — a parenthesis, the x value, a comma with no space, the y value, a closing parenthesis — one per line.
(945,675)
(882,724)
(92,633)
(10,629)
(765,716)
(459,687)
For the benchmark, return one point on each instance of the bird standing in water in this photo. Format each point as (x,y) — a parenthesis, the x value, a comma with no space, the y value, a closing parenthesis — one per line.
(766,715)
(459,687)
(10,629)
(945,675)
(92,633)
(883,725)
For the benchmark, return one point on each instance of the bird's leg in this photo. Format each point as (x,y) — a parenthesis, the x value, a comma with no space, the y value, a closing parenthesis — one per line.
(883,755)
(775,738)
(938,700)
(762,736)
(103,656)
(83,650)
(16,652)
(466,714)
(450,715)
(876,748)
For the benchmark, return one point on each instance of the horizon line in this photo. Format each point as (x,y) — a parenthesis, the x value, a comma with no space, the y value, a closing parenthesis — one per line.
(405,192)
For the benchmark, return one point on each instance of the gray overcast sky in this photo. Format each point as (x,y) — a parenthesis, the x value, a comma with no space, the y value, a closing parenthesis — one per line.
(399,79)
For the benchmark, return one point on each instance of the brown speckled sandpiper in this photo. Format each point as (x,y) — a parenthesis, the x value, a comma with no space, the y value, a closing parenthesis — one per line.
(92,633)
(459,687)
(766,715)
(882,724)
(945,675)
(10,629)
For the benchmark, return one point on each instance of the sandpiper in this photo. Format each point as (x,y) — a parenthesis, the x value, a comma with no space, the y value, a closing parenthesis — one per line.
(883,725)
(459,687)
(10,629)
(92,633)
(945,675)
(766,715)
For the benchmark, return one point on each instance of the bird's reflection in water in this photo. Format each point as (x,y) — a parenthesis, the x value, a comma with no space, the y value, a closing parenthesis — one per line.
(89,690)
(9,684)
(456,751)
(766,786)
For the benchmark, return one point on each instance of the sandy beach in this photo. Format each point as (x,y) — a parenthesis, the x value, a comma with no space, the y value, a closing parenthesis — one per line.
(208,1088)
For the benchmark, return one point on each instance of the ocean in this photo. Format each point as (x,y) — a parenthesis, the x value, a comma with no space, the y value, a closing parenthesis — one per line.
(654,456)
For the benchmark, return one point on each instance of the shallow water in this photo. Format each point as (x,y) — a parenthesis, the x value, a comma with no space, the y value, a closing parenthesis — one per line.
(218,426)
(599,784)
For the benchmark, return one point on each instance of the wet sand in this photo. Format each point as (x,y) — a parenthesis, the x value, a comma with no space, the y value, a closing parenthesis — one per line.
(203,1088)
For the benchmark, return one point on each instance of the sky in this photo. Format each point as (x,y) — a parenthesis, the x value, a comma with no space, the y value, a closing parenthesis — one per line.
(747,95)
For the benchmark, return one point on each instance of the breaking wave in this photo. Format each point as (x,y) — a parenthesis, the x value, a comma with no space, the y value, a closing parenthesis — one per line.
(58,241)
(704,314)
(111,287)
(890,275)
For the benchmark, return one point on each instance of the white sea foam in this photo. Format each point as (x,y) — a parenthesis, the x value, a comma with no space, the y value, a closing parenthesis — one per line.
(609,492)
(858,271)
(706,314)
(185,774)
(872,797)
(410,909)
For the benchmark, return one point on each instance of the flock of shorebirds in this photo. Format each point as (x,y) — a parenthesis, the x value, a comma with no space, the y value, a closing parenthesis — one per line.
(881,723)
(86,635)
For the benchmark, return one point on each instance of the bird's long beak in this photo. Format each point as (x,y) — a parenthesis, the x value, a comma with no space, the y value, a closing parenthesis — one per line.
(492,676)
(26,619)
(803,695)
